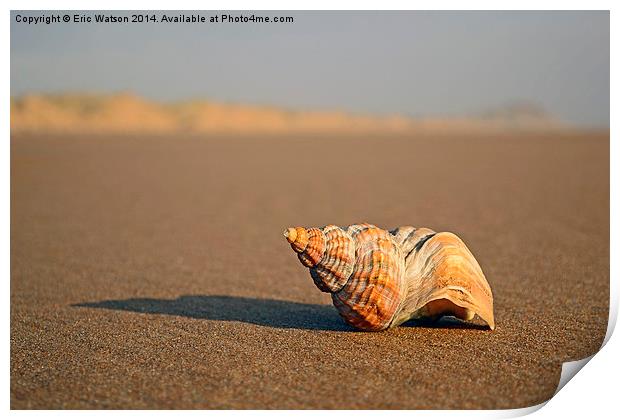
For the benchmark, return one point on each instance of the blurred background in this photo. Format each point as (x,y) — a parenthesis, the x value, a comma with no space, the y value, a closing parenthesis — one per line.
(532,66)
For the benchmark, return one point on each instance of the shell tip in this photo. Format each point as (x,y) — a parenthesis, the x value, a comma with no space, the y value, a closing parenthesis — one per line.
(290,234)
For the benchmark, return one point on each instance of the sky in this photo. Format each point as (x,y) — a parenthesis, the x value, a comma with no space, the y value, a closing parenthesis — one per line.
(414,63)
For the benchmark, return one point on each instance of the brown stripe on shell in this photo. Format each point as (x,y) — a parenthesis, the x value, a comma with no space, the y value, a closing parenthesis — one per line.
(313,253)
(355,230)
(373,294)
(336,265)
(408,238)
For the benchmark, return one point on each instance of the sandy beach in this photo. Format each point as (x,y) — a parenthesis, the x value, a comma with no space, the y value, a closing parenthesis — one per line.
(151,271)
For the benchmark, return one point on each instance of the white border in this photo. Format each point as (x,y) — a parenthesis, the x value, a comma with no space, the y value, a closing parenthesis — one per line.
(592,394)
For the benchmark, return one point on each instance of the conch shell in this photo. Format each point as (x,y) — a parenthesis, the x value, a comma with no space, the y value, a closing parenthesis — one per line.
(380,279)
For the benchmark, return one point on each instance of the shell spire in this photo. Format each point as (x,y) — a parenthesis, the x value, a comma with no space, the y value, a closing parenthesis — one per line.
(380,279)
(329,253)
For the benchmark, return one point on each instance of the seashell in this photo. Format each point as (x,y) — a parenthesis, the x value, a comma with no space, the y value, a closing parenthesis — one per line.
(379,279)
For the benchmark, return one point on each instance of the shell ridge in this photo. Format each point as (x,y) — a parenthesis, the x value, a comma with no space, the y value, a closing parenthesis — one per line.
(419,245)
(337,263)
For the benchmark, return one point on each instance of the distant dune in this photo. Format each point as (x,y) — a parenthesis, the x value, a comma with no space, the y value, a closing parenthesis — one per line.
(125,113)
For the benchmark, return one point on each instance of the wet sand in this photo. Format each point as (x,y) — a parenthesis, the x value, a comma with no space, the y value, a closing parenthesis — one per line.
(151,272)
